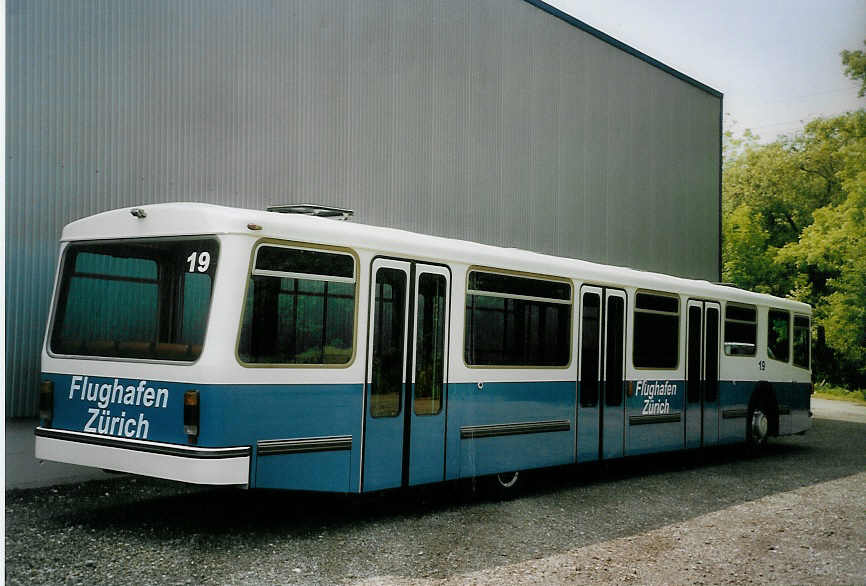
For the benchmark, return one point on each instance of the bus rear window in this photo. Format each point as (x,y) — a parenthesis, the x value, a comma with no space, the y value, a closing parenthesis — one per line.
(146,299)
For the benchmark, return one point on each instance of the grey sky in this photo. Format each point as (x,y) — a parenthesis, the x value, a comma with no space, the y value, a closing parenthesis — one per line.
(777,62)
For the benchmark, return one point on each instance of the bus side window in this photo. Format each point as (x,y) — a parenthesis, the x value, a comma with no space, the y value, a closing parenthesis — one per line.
(656,331)
(741,330)
(388,343)
(613,373)
(430,345)
(711,355)
(693,394)
(589,350)
(778,335)
(300,308)
(514,320)
(802,341)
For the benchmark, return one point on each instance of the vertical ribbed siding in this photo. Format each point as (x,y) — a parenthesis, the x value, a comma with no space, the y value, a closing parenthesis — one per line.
(477,119)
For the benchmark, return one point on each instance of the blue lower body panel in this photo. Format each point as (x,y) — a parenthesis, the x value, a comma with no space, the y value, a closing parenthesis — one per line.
(322,471)
(427,448)
(587,434)
(309,437)
(654,415)
(734,405)
(509,426)
(299,419)
(794,404)
(311,433)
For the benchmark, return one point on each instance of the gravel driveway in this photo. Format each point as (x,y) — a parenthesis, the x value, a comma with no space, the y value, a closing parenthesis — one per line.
(795,514)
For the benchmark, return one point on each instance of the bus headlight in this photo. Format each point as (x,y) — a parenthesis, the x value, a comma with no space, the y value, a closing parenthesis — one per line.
(46,401)
(190,414)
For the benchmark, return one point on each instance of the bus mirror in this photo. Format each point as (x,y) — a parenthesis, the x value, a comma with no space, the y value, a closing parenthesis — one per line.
(190,414)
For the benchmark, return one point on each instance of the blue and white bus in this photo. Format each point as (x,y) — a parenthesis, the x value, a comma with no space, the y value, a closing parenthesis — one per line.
(223,346)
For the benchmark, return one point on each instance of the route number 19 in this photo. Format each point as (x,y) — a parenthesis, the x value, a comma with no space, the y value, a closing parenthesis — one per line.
(762,365)
(199,261)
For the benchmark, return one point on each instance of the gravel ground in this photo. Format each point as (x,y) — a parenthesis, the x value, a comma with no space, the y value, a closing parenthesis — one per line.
(795,514)
(771,540)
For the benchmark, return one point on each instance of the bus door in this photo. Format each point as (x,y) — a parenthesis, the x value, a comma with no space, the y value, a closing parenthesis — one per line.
(425,459)
(711,411)
(613,405)
(405,399)
(702,374)
(588,412)
(601,404)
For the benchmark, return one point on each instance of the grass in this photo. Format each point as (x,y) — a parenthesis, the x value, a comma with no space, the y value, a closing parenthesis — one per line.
(825,391)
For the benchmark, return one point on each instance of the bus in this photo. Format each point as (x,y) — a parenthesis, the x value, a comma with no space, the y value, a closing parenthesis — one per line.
(269,349)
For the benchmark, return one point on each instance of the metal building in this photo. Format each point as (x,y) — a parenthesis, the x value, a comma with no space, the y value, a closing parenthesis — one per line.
(503,122)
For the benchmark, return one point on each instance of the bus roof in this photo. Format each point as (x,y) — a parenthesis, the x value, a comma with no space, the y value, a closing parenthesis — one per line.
(181,219)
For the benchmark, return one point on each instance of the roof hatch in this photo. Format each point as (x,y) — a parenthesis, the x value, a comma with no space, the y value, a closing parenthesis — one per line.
(313,210)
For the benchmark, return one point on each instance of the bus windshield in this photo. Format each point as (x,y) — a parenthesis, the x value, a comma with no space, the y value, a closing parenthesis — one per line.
(146,298)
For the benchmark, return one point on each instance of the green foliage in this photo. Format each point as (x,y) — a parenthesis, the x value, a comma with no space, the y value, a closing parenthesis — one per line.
(855,67)
(794,224)
(834,249)
(748,258)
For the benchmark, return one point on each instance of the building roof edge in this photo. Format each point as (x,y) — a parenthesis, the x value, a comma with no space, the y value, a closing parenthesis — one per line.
(622,46)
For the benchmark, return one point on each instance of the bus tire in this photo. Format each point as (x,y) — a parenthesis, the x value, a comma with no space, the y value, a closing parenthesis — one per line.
(507,480)
(758,423)
(505,485)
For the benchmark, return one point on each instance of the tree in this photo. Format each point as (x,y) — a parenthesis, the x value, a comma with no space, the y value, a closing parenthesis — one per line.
(834,246)
(794,224)
(855,67)
(748,259)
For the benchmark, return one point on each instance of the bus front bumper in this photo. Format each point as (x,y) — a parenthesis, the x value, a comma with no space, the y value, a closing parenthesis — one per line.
(218,466)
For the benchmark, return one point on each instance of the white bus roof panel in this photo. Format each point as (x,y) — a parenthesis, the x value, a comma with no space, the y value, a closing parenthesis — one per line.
(176,219)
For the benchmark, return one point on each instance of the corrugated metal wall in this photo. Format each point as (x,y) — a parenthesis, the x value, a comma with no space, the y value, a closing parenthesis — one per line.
(485,120)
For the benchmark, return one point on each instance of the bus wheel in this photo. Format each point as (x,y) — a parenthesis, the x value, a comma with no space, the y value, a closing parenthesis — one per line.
(504,486)
(507,480)
(759,426)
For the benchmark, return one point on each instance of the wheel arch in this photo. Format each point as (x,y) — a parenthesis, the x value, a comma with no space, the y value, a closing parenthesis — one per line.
(764,394)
